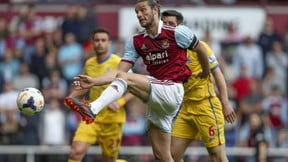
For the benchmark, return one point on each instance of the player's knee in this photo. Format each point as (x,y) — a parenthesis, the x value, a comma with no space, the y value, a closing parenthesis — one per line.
(76,152)
(162,156)
(218,154)
(217,157)
(176,157)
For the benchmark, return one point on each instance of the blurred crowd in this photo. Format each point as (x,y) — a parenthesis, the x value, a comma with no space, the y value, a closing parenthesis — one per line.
(197,2)
(169,2)
(255,69)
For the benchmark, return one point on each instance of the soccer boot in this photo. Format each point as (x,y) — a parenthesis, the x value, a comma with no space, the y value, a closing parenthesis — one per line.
(82,108)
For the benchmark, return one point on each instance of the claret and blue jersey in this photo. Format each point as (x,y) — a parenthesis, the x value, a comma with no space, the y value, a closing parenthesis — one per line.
(164,54)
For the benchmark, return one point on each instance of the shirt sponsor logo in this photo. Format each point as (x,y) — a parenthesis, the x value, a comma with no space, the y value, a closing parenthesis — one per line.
(157,58)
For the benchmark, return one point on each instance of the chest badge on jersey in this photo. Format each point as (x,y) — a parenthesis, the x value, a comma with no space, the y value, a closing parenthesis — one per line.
(165,43)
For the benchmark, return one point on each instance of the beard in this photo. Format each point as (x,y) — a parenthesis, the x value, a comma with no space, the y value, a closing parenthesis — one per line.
(150,21)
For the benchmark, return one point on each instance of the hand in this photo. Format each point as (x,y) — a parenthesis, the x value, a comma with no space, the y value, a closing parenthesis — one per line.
(228,112)
(83,81)
(76,85)
(114,106)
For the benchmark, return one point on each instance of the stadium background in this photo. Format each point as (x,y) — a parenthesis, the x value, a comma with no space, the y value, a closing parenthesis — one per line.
(21,136)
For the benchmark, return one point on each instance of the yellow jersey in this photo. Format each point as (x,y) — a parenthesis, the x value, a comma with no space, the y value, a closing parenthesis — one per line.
(93,69)
(197,89)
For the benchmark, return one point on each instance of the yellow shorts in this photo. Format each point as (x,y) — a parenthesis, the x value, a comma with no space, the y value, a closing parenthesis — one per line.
(201,120)
(108,136)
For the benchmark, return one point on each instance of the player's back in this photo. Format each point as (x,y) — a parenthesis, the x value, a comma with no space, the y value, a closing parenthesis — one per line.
(94,68)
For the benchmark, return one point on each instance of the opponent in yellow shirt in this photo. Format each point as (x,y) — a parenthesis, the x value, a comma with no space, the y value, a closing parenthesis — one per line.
(106,130)
(201,115)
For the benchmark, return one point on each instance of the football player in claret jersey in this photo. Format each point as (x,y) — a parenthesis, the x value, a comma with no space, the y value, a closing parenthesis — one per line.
(163,49)
(106,129)
(201,116)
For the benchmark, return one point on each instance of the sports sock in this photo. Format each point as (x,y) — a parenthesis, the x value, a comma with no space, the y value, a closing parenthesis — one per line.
(69,160)
(114,91)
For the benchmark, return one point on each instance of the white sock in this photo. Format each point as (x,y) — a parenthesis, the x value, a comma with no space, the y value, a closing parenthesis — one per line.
(113,92)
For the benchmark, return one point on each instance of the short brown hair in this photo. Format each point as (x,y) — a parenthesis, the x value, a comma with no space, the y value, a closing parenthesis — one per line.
(178,15)
(152,4)
(100,30)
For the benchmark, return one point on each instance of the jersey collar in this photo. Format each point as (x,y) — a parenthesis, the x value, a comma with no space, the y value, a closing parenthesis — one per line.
(159,30)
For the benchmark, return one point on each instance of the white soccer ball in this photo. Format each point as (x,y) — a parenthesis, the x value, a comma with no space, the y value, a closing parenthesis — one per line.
(30,101)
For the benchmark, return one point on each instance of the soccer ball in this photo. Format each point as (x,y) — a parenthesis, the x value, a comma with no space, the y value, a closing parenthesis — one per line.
(30,101)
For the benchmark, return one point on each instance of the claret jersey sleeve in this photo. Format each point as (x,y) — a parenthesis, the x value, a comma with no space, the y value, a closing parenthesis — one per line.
(130,53)
(185,38)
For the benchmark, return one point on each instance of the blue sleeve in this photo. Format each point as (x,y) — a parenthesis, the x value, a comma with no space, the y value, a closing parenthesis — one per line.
(185,38)
(130,53)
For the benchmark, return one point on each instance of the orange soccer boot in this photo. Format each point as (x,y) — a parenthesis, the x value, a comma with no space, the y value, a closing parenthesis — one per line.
(84,109)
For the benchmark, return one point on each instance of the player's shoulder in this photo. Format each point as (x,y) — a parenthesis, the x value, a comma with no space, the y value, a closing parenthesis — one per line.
(207,47)
(182,28)
(168,27)
(115,57)
(140,33)
(91,60)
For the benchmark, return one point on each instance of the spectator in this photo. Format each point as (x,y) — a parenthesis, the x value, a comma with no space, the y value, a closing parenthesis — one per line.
(285,41)
(53,128)
(7,102)
(267,37)
(276,110)
(54,39)
(269,80)
(8,119)
(255,134)
(213,43)
(25,78)
(241,84)
(70,22)
(4,33)
(278,60)
(87,21)
(29,132)
(230,42)
(249,54)
(232,35)
(54,86)
(8,135)
(30,28)
(281,142)
(134,128)
(70,58)
(9,67)
(51,62)
(38,59)
(252,103)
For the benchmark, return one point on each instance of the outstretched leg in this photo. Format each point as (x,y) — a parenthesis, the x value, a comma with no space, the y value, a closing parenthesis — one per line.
(136,84)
